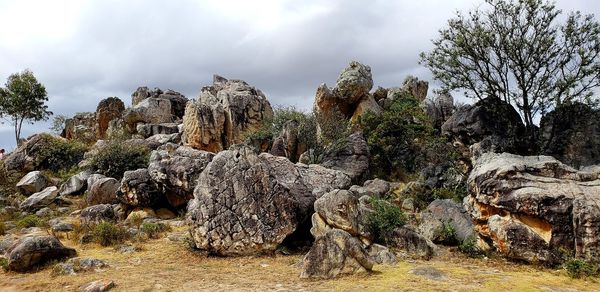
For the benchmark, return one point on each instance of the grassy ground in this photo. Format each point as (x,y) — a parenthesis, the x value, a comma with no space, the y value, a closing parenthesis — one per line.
(163,265)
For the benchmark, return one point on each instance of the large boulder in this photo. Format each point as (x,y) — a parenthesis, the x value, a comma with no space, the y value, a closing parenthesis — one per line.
(39,200)
(30,154)
(415,87)
(340,209)
(81,127)
(336,253)
(407,239)
(108,109)
(354,83)
(32,182)
(31,251)
(178,101)
(75,185)
(247,203)
(534,208)
(350,156)
(491,119)
(176,170)
(103,191)
(224,115)
(571,133)
(98,213)
(138,189)
(149,130)
(149,111)
(444,216)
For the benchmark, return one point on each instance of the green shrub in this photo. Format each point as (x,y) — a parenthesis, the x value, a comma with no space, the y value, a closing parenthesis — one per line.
(384,219)
(58,154)
(2,228)
(402,140)
(4,264)
(448,233)
(470,248)
(154,229)
(31,221)
(108,233)
(578,268)
(116,158)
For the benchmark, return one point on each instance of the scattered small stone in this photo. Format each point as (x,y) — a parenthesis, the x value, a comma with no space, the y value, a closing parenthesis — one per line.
(126,248)
(79,265)
(98,286)
(44,212)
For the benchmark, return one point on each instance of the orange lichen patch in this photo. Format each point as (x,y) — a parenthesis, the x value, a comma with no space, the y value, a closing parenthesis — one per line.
(488,211)
(540,226)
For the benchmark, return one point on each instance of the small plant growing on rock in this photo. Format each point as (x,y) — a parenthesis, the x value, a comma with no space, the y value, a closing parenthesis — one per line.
(578,268)
(108,233)
(448,233)
(470,248)
(384,219)
(153,230)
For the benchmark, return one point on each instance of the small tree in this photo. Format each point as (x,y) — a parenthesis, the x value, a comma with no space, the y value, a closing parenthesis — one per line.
(58,124)
(23,99)
(519,51)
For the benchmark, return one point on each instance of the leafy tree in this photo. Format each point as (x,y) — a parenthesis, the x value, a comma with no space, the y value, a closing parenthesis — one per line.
(23,99)
(519,51)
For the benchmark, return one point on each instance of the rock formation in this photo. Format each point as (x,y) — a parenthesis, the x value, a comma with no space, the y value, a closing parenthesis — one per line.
(31,251)
(138,189)
(247,203)
(81,127)
(224,115)
(350,156)
(108,109)
(532,207)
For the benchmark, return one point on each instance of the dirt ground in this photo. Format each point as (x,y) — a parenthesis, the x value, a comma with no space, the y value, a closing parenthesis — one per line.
(164,265)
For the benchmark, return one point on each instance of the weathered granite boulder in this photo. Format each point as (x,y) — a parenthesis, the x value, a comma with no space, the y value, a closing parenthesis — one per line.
(341,209)
(490,118)
(336,253)
(176,170)
(149,130)
(81,127)
(534,207)
(75,266)
(440,109)
(178,101)
(350,156)
(162,139)
(108,109)
(39,200)
(377,188)
(31,251)
(75,185)
(224,115)
(28,156)
(32,182)
(446,214)
(148,111)
(245,203)
(407,239)
(417,88)
(97,213)
(571,134)
(103,191)
(354,83)
(138,189)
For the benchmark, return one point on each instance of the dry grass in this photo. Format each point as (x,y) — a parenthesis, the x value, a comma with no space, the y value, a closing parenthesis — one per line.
(167,266)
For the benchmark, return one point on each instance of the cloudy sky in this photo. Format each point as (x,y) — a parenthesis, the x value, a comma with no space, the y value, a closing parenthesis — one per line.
(84,51)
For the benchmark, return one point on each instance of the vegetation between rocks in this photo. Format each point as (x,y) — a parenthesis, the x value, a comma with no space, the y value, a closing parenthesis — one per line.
(384,219)
(116,158)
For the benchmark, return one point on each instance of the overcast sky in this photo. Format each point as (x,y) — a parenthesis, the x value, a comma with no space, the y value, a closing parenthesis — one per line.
(84,51)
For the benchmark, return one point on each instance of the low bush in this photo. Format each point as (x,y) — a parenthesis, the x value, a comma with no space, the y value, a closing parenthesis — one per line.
(31,221)
(57,154)
(578,268)
(448,233)
(3,263)
(117,158)
(470,248)
(108,233)
(384,219)
(153,230)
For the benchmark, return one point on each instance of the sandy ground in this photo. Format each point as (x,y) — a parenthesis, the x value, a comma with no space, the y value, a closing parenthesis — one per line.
(164,265)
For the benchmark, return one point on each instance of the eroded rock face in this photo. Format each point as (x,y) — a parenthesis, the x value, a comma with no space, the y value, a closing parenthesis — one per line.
(410,241)
(354,82)
(27,156)
(176,170)
(31,251)
(442,214)
(246,203)
(224,114)
(351,158)
(533,206)
(81,127)
(288,143)
(108,109)
(138,189)
(340,209)
(417,88)
(148,111)
(336,253)
(149,130)
(491,119)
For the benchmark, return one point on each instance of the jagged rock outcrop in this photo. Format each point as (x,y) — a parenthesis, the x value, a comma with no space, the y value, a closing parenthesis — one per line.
(108,109)
(571,134)
(532,207)
(178,100)
(149,130)
(32,182)
(31,251)
(138,189)
(75,185)
(377,188)
(29,155)
(288,143)
(491,122)
(103,191)
(440,108)
(148,111)
(335,253)
(81,127)
(245,203)
(449,215)
(224,115)
(176,170)
(354,83)
(341,209)
(350,156)
(40,199)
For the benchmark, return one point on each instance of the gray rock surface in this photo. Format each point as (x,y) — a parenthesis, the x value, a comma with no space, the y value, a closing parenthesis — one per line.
(449,213)
(31,251)
(408,240)
(350,156)
(97,213)
(103,191)
(39,200)
(32,182)
(138,189)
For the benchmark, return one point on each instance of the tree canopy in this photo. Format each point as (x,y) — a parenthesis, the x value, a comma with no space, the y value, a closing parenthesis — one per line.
(23,99)
(521,51)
